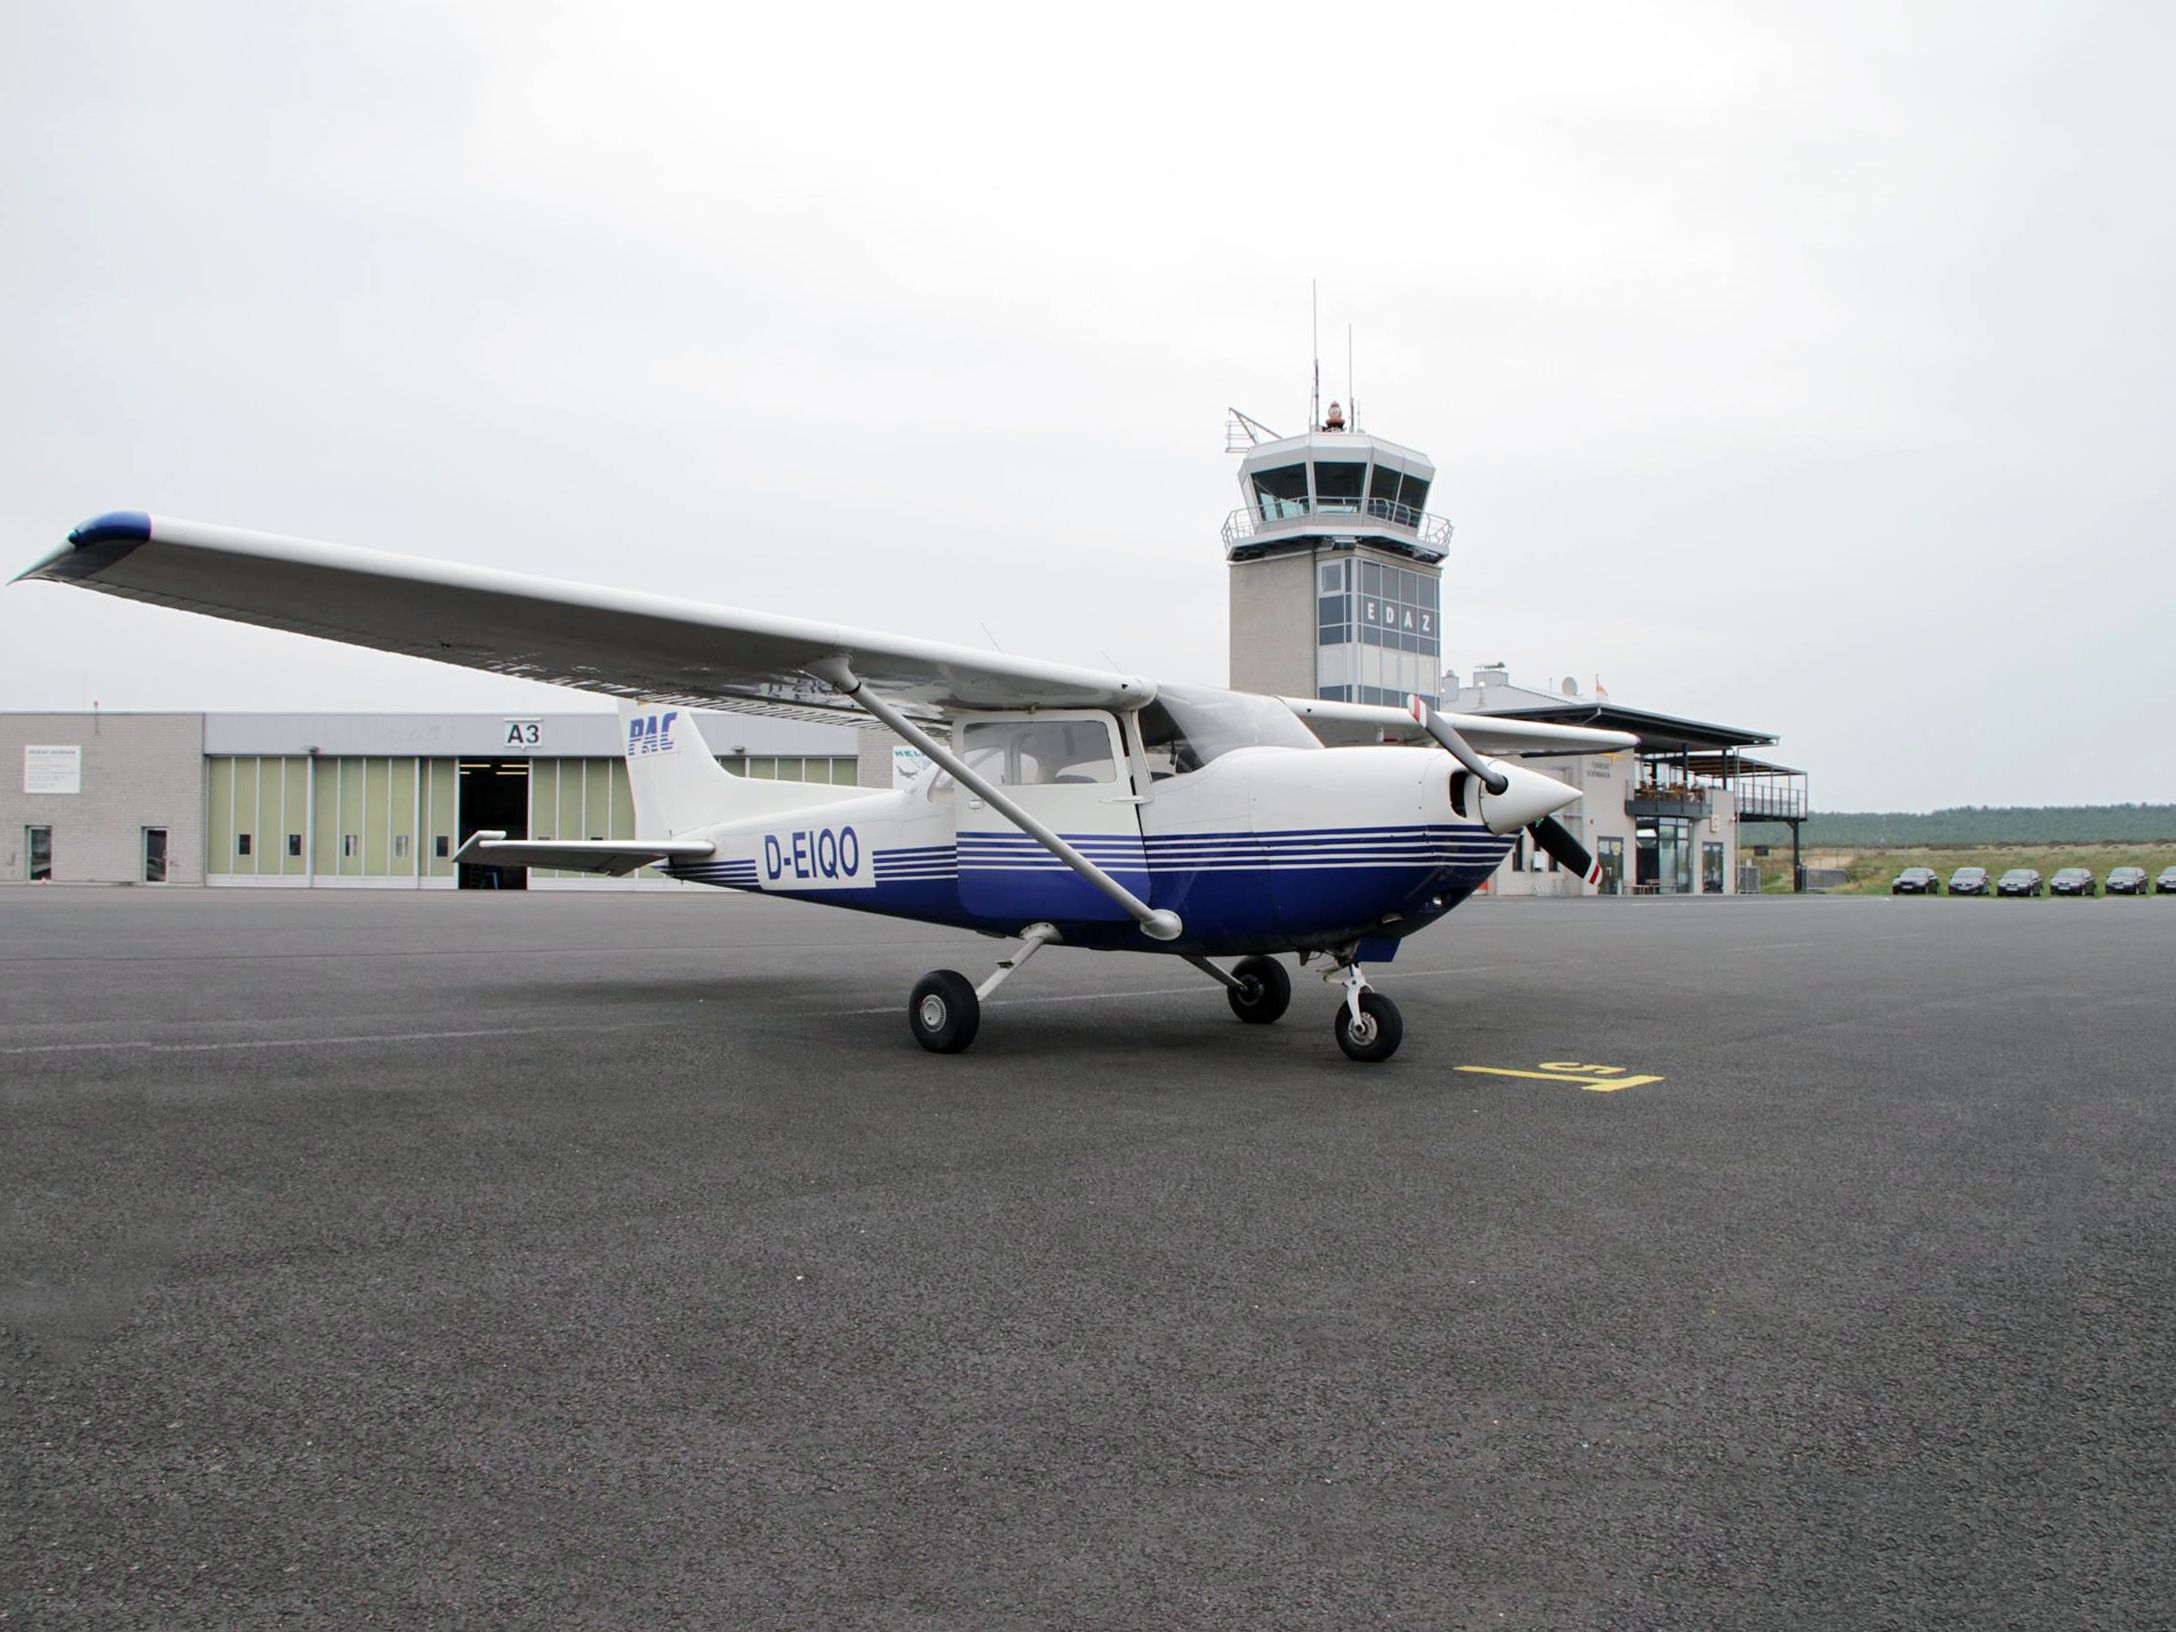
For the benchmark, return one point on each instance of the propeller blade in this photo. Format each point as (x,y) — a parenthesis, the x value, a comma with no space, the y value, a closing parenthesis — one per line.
(1554,837)
(1456,745)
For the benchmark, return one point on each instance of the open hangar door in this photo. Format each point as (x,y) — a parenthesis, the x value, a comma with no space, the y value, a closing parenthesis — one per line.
(494,798)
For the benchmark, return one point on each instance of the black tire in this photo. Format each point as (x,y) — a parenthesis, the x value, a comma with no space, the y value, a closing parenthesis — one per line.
(1268,994)
(944,1014)
(1385,1029)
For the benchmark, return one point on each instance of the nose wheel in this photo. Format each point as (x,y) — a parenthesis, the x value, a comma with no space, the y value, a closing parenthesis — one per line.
(1368,1025)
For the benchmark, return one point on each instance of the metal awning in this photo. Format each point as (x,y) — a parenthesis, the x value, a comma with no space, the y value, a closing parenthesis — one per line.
(1737,765)
(1658,733)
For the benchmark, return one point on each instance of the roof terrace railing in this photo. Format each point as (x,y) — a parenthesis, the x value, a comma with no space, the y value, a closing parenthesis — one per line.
(1764,799)
(1429,531)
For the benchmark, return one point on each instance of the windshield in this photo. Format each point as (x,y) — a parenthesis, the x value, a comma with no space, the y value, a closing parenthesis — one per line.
(2018,872)
(1971,872)
(1188,726)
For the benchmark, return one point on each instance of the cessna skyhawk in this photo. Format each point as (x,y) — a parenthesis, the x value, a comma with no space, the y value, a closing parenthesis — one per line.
(1061,805)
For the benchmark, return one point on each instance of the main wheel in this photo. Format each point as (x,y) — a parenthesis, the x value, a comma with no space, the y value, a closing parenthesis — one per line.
(1268,991)
(944,1014)
(1377,1036)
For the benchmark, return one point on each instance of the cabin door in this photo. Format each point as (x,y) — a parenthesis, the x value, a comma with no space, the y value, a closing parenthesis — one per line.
(1066,770)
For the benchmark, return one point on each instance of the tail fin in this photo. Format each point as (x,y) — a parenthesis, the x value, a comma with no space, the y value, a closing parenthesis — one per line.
(680,788)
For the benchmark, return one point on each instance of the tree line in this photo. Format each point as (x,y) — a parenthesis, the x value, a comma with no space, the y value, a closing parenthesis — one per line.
(1994,824)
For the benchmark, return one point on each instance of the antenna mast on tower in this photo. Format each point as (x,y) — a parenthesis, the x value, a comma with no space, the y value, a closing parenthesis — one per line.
(1314,312)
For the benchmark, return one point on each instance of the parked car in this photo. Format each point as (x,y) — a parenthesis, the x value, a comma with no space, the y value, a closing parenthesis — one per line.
(2073,881)
(2127,881)
(2019,881)
(1916,881)
(1970,881)
(2166,883)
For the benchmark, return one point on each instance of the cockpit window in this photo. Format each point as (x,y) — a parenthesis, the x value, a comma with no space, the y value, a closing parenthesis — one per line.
(1038,753)
(1188,726)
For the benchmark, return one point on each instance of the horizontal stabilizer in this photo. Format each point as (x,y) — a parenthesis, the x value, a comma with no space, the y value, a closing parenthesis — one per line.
(617,857)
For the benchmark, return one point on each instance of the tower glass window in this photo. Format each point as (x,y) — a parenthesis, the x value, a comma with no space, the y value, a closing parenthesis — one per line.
(1337,487)
(1281,493)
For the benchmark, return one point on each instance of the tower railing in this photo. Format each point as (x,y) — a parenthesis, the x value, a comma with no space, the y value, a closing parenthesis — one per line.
(1429,531)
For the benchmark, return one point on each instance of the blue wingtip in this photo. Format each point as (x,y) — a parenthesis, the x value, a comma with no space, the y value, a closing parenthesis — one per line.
(114,527)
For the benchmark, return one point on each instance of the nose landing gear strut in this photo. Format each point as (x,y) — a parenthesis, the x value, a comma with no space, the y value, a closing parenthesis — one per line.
(1369,1027)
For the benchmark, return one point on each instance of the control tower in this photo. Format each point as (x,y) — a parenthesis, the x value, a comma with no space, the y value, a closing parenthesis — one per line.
(1336,566)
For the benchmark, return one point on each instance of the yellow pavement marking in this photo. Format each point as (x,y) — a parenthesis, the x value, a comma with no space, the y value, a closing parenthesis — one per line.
(1595,1079)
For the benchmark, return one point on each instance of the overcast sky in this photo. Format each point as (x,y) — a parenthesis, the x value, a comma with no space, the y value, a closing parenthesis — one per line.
(1809,372)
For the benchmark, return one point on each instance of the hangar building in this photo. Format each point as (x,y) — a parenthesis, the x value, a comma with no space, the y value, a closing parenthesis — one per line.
(367,801)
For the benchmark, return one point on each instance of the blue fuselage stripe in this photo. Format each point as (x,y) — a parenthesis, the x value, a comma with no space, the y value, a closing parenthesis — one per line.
(1235,890)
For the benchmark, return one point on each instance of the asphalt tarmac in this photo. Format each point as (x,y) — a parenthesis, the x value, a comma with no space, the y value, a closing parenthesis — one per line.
(579,1260)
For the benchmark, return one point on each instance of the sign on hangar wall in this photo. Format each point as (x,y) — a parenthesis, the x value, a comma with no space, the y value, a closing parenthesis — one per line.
(52,769)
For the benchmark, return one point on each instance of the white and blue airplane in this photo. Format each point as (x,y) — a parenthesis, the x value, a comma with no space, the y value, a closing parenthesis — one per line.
(1061,806)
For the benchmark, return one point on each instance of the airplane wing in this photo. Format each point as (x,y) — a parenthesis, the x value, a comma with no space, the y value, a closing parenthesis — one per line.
(619,642)
(1343,724)
(615,857)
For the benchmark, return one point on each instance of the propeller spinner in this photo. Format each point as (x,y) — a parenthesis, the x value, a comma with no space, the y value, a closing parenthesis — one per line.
(1511,796)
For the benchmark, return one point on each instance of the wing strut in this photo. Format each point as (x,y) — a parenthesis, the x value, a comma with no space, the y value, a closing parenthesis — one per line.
(1159,924)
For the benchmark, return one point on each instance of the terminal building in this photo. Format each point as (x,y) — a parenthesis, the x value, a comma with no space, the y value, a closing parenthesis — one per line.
(1664,818)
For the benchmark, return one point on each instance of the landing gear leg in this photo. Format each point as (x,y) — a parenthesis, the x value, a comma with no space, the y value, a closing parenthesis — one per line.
(945,1012)
(1369,1027)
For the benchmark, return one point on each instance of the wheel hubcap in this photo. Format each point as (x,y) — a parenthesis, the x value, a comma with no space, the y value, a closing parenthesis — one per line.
(1363,1029)
(932,1012)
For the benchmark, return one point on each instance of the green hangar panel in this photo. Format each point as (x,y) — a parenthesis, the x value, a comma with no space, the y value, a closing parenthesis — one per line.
(383,801)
